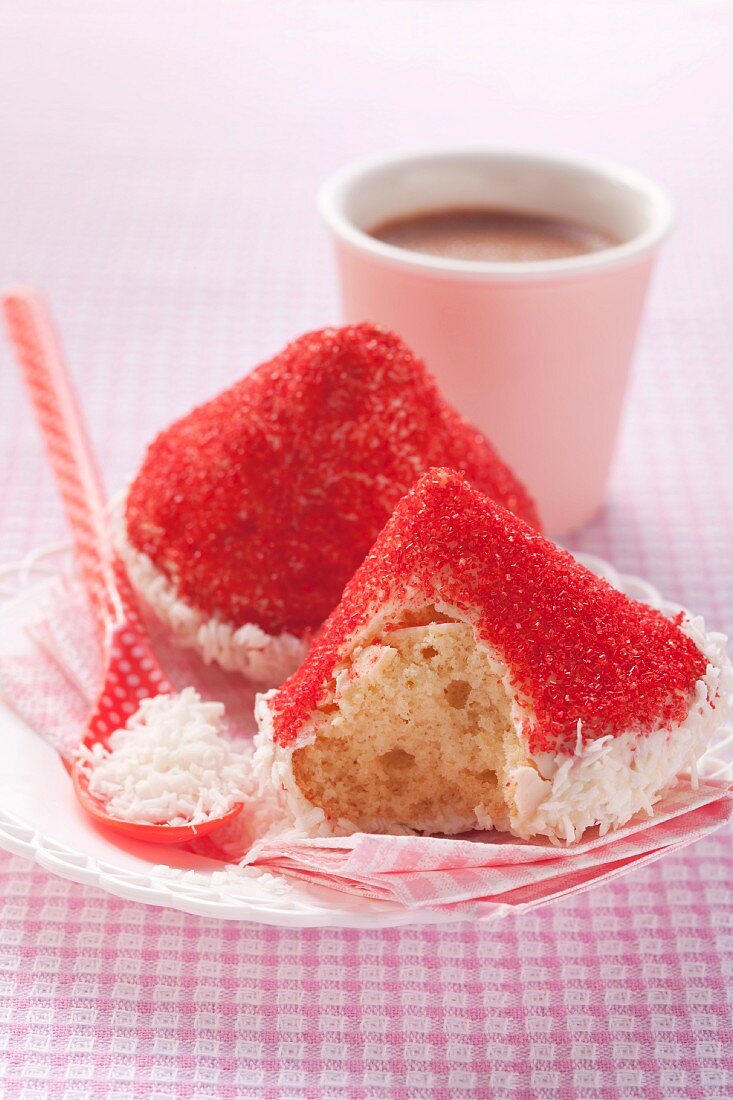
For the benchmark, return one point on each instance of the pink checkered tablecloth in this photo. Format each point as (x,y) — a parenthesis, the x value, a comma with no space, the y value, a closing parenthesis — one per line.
(159,162)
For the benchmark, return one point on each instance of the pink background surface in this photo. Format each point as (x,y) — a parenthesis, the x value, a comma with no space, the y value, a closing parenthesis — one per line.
(158,169)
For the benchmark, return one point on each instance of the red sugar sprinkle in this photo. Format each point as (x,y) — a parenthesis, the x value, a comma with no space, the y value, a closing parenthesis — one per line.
(577,648)
(260,504)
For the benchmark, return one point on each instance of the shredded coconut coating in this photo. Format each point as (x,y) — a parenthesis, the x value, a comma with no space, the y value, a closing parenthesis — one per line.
(247,648)
(581,655)
(259,505)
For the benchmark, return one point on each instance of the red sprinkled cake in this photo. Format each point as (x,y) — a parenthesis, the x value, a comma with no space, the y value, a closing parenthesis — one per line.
(468,660)
(256,508)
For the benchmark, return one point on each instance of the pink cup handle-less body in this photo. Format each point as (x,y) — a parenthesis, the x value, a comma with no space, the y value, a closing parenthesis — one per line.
(540,367)
(537,354)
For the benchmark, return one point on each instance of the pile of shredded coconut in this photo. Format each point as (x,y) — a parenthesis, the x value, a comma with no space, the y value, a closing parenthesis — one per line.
(170,764)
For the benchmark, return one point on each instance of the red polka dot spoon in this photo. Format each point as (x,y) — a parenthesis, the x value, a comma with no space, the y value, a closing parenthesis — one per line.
(132,672)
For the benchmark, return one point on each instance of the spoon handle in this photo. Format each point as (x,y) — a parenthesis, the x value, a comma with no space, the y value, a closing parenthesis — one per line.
(39,355)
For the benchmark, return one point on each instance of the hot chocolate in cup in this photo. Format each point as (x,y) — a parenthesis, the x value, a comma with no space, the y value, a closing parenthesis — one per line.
(535,349)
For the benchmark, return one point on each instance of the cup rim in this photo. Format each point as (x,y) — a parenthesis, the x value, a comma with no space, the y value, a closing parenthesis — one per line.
(332,193)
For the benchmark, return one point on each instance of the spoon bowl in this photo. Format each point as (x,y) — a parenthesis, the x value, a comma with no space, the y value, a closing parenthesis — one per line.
(136,830)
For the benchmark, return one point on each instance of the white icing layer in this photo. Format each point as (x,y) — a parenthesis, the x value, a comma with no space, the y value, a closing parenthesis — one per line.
(273,767)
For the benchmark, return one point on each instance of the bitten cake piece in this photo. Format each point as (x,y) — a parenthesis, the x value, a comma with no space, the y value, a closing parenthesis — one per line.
(474,675)
(251,513)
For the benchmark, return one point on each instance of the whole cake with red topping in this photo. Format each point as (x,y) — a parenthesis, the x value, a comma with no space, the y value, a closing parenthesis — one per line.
(474,675)
(251,513)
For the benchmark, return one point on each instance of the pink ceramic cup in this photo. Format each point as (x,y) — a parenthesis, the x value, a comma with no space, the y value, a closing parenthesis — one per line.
(536,353)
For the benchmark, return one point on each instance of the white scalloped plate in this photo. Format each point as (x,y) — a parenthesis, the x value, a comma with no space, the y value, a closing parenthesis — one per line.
(40,818)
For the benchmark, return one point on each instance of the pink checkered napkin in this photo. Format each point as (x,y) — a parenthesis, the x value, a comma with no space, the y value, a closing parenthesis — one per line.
(67,658)
(425,871)
(482,875)
(36,689)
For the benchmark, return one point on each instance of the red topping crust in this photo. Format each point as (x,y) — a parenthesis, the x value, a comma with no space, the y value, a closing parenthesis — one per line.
(260,504)
(577,648)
